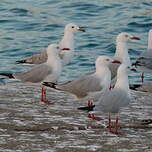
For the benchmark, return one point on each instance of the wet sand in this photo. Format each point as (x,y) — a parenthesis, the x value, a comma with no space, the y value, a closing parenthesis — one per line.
(29,125)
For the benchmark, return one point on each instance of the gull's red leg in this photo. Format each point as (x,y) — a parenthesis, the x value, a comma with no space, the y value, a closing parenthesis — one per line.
(117,126)
(93,117)
(45,99)
(96,118)
(43,96)
(109,123)
(142,77)
(117,123)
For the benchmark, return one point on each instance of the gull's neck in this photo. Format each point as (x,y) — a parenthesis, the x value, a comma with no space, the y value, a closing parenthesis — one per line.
(101,69)
(122,53)
(150,40)
(54,62)
(104,74)
(67,40)
(53,58)
(122,82)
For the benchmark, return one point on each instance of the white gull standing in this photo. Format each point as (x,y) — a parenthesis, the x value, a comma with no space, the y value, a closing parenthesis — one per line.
(144,61)
(121,53)
(48,71)
(66,42)
(89,84)
(111,101)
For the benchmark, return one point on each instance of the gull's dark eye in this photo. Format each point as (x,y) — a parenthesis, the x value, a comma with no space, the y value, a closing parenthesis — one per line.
(58,47)
(126,35)
(107,59)
(72,26)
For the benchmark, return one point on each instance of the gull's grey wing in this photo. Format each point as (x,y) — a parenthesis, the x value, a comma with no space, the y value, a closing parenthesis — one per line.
(147,54)
(34,75)
(112,101)
(81,86)
(145,59)
(36,59)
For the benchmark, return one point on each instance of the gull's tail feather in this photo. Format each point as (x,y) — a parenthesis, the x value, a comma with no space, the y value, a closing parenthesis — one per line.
(87,108)
(9,75)
(21,61)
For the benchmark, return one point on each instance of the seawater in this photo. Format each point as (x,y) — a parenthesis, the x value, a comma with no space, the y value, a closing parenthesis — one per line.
(27,27)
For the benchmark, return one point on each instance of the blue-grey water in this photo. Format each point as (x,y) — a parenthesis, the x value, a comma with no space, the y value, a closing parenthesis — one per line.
(29,26)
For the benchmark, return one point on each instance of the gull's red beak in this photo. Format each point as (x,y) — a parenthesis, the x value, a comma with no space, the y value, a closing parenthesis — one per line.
(66,49)
(116,61)
(135,38)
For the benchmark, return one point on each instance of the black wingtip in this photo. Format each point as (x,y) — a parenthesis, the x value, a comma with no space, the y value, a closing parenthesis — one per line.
(137,64)
(50,84)
(88,108)
(146,122)
(21,61)
(9,75)
(134,86)
(134,64)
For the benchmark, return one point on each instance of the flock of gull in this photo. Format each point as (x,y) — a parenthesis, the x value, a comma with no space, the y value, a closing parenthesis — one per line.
(108,85)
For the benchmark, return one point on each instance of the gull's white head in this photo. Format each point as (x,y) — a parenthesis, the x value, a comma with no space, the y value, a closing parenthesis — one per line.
(103,60)
(125,37)
(55,49)
(73,28)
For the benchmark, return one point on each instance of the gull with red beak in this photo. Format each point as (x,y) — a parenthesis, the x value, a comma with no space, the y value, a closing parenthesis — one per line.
(111,101)
(121,53)
(89,85)
(66,42)
(48,71)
